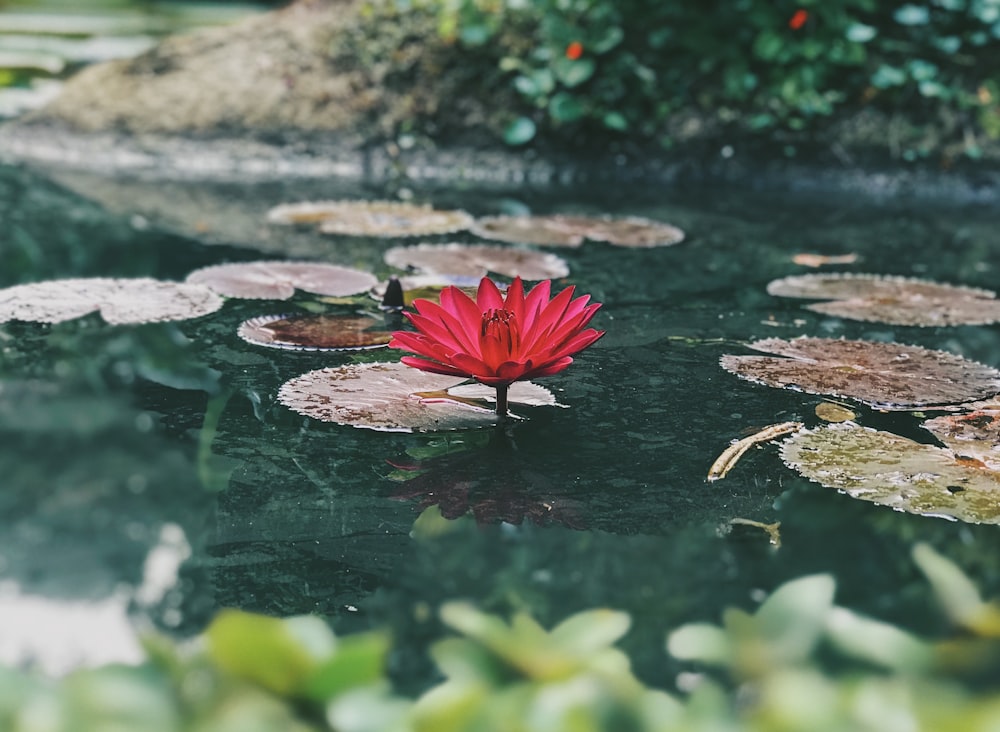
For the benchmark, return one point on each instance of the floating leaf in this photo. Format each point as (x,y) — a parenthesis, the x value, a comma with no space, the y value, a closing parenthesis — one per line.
(973,435)
(808,259)
(832,412)
(894,300)
(477,260)
(392,397)
(279,280)
(894,471)
(371,218)
(884,375)
(571,231)
(315,332)
(120,301)
(729,457)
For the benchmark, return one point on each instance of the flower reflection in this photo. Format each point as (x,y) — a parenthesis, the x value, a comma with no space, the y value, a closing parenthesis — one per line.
(489,482)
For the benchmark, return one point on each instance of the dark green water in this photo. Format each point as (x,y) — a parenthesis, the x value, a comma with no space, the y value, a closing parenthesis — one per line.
(108,434)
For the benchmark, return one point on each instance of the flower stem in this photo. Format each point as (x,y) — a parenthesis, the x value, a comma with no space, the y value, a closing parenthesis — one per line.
(502,400)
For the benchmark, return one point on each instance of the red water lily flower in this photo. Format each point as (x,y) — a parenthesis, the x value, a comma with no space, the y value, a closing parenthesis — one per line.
(497,339)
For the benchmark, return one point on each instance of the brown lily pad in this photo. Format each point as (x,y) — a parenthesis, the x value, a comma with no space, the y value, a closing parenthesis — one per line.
(974,435)
(895,471)
(120,301)
(477,260)
(279,280)
(372,218)
(392,397)
(315,332)
(883,375)
(572,231)
(893,300)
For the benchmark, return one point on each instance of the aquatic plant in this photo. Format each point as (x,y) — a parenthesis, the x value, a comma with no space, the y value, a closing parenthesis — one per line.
(498,339)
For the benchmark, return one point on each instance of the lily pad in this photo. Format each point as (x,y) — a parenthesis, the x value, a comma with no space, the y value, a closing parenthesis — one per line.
(120,301)
(893,300)
(279,280)
(895,471)
(372,218)
(883,375)
(477,260)
(392,397)
(315,332)
(974,435)
(571,231)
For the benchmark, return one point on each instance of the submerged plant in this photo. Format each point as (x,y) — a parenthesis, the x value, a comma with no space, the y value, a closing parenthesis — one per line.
(498,339)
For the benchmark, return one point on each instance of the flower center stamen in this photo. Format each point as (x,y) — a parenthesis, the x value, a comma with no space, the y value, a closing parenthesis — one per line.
(501,326)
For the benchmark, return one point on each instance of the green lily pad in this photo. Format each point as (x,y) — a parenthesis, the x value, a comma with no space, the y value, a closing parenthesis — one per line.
(895,471)
(392,397)
(886,376)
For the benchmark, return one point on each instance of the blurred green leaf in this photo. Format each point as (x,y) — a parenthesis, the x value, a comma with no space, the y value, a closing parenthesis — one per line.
(565,107)
(912,15)
(280,655)
(520,131)
(573,73)
(358,661)
(860,33)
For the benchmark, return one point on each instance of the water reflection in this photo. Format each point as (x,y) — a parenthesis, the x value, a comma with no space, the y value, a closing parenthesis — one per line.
(487,479)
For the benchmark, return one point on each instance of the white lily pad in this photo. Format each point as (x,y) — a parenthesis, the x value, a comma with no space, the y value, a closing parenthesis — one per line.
(477,260)
(572,231)
(315,332)
(884,375)
(120,301)
(279,280)
(893,300)
(371,218)
(895,471)
(392,397)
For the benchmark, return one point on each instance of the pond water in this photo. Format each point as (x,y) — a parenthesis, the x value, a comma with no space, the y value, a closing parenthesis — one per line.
(149,469)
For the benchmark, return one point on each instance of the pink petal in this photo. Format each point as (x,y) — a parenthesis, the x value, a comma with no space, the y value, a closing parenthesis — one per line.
(488,297)
(514,301)
(471,365)
(512,370)
(547,370)
(459,329)
(431,366)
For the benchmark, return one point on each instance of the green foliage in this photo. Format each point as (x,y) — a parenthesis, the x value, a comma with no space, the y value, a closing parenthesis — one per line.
(628,67)
(798,662)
